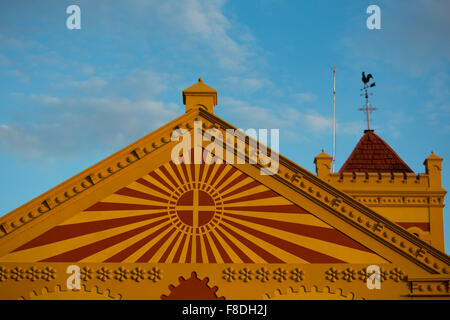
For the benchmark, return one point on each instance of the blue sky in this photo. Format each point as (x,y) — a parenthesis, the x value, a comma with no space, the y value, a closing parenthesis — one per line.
(70,98)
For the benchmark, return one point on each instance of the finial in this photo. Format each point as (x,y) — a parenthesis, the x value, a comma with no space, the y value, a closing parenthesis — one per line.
(200,95)
(323,150)
(366,79)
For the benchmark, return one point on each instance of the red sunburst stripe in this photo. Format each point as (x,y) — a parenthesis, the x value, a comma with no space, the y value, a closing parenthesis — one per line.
(177,173)
(297,250)
(233,183)
(169,176)
(256,196)
(200,173)
(189,250)
(325,234)
(209,253)
(88,250)
(185,173)
(226,177)
(217,174)
(193,180)
(198,254)
(152,186)
(267,256)
(176,257)
(208,173)
(138,194)
(248,186)
(225,257)
(235,248)
(125,253)
(113,206)
(169,248)
(147,256)
(158,178)
(288,208)
(69,231)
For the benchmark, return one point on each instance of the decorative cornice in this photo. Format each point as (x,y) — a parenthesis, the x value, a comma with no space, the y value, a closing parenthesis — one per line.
(429,287)
(396,179)
(262,274)
(399,201)
(327,293)
(32,273)
(57,290)
(280,274)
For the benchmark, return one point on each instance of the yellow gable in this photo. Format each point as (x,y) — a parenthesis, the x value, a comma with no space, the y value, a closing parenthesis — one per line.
(194,213)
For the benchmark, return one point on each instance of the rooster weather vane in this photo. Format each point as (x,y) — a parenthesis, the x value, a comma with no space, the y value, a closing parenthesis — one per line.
(367,108)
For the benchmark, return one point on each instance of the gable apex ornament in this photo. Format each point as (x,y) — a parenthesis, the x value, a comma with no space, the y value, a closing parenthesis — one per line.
(200,96)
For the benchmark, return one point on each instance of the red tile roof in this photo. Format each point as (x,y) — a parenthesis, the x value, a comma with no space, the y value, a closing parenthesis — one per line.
(373,154)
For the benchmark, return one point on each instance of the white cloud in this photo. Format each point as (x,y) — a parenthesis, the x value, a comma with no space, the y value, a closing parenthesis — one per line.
(292,122)
(75,125)
(91,83)
(255,116)
(202,23)
(353,128)
(94,114)
(4,61)
(414,37)
(144,83)
(44,99)
(15,140)
(19,43)
(247,84)
(437,106)
(302,97)
(317,122)
(20,75)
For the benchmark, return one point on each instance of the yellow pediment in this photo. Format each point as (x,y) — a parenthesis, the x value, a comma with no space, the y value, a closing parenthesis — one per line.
(190,213)
(138,206)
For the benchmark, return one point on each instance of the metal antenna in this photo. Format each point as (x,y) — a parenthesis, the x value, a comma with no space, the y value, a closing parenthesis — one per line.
(334,118)
(367,108)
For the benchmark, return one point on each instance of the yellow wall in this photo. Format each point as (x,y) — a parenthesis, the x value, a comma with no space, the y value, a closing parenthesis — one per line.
(402,198)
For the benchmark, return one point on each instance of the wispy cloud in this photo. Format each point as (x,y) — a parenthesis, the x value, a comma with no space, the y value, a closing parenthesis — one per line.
(410,38)
(302,97)
(438,106)
(93,82)
(144,83)
(43,99)
(294,122)
(22,76)
(247,84)
(4,61)
(14,43)
(65,127)
(201,24)
(94,113)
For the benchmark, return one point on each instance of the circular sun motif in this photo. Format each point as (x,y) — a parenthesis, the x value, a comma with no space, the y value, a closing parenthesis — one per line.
(195,207)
